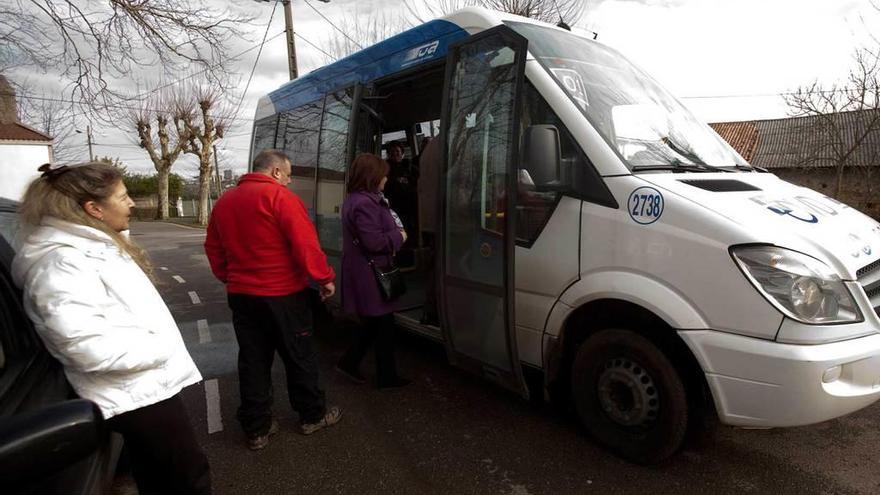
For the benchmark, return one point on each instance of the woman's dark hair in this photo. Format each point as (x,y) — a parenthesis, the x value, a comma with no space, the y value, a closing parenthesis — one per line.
(366,173)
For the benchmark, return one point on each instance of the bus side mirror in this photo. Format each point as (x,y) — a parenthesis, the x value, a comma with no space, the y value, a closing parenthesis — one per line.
(541,154)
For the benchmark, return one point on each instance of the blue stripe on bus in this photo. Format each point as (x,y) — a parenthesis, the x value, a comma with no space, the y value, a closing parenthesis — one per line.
(421,44)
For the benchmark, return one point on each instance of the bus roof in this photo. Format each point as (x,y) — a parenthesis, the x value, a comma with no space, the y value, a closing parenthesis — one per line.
(421,44)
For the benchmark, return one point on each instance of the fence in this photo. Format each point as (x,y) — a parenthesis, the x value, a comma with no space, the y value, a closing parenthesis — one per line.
(146,209)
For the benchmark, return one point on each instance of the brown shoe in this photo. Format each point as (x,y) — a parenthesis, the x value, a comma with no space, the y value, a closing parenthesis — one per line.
(259,442)
(331,417)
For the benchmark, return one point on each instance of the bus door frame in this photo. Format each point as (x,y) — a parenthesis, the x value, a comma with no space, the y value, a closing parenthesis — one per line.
(511,378)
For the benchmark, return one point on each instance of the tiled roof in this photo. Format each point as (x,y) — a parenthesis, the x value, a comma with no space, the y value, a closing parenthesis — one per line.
(743,136)
(21,132)
(805,141)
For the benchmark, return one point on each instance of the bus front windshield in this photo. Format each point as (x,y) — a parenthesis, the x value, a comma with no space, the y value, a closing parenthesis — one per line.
(637,117)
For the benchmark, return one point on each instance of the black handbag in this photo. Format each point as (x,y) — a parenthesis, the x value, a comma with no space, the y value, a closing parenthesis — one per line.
(391,282)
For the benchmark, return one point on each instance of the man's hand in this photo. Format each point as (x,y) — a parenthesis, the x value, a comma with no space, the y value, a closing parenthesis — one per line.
(327,291)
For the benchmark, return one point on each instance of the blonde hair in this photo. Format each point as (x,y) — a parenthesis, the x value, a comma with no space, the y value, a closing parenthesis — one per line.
(62,192)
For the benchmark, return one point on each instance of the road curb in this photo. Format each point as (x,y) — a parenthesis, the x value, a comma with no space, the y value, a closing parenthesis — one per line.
(191,227)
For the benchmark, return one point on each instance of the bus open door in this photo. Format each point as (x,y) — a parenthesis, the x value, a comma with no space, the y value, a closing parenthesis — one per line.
(484,77)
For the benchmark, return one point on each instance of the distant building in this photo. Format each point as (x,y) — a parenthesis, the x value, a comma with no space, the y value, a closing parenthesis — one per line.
(801,150)
(22,149)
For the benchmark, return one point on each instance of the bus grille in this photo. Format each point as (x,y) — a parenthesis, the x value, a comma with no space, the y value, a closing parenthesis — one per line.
(869,278)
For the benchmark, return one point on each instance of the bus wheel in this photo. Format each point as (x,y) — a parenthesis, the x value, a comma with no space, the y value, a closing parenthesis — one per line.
(629,396)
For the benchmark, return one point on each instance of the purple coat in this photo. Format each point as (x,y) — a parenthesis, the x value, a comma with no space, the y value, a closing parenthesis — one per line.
(367,216)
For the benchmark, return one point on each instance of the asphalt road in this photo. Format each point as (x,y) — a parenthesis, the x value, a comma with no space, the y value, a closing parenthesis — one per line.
(449,432)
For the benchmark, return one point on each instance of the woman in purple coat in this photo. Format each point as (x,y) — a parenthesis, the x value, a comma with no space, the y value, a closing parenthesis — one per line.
(369,232)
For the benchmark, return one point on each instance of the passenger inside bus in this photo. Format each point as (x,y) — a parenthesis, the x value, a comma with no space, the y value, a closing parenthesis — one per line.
(403,197)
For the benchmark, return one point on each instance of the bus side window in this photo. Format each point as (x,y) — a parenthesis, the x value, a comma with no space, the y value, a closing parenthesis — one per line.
(264,134)
(298,138)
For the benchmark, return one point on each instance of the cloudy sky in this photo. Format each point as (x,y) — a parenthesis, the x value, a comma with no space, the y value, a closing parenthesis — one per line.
(725,59)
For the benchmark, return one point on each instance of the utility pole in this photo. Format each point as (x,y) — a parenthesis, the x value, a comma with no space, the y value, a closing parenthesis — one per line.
(89,140)
(217,173)
(291,43)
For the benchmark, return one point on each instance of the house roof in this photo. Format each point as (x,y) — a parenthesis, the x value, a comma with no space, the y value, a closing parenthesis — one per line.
(799,142)
(20,132)
(743,136)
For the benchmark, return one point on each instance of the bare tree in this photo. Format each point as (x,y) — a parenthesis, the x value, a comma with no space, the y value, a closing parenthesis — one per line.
(845,115)
(570,11)
(361,30)
(54,118)
(161,133)
(203,121)
(93,43)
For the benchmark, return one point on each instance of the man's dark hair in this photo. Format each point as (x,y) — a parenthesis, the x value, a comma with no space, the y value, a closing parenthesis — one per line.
(267,159)
(394,144)
(366,173)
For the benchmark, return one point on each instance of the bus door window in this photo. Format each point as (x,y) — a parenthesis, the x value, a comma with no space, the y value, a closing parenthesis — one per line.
(479,146)
(332,164)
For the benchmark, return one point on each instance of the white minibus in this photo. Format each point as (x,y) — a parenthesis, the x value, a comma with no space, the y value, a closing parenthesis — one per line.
(594,243)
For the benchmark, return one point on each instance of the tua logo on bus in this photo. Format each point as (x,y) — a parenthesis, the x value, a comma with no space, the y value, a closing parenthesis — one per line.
(421,51)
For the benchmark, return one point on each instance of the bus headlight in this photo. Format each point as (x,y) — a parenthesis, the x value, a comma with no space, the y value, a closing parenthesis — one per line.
(803,288)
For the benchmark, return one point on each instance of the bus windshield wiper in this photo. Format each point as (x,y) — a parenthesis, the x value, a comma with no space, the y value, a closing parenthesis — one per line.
(690,155)
(675,166)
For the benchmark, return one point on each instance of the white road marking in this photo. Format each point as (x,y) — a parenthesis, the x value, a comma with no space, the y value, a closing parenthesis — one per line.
(194,297)
(212,400)
(179,279)
(163,268)
(204,332)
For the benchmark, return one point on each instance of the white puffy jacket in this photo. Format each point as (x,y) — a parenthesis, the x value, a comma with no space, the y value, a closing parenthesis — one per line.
(101,317)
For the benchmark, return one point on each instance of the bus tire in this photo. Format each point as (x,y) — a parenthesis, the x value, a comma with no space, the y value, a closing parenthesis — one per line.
(629,396)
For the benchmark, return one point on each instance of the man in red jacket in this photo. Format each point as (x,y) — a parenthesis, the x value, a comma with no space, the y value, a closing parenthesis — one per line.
(263,246)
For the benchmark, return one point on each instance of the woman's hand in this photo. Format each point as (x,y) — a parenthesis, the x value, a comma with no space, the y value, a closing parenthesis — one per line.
(403,233)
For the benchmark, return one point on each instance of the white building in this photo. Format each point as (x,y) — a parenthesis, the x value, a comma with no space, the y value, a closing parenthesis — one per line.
(22,149)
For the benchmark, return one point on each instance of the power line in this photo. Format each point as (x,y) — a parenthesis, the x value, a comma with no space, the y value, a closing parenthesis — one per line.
(334,25)
(117,106)
(260,46)
(254,68)
(146,93)
(316,47)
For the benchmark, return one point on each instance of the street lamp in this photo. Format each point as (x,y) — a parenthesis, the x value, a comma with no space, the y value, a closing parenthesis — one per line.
(291,44)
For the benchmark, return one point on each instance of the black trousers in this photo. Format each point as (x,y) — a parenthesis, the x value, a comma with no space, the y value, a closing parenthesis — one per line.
(161,444)
(381,330)
(263,326)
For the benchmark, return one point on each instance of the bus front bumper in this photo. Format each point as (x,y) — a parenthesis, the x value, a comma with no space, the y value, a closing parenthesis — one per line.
(762,383)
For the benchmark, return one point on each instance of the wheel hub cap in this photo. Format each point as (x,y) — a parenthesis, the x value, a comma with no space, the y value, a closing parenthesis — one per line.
(627,393)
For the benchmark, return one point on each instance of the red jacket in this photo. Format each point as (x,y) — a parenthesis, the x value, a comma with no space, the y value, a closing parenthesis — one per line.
(261,241)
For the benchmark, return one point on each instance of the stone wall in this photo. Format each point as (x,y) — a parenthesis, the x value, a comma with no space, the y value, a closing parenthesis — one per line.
(861,186)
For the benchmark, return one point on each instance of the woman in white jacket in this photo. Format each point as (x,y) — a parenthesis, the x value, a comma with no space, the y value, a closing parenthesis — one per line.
(88,291)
